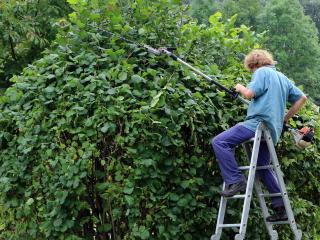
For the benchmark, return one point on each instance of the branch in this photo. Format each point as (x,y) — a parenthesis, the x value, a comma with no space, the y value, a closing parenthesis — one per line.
(37,9)
(12,48)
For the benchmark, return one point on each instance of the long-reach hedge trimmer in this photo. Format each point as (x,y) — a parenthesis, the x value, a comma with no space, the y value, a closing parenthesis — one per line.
(303,137)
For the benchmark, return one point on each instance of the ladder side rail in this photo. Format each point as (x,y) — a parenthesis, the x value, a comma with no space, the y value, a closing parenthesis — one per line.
(258,189)
(283,190)
(251,177)
(221,214)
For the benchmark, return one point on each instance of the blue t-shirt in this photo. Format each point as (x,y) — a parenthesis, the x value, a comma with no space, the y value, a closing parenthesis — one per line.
(272,90)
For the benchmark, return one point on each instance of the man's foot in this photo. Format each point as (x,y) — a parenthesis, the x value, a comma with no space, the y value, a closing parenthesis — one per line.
(233,189)
(279,215)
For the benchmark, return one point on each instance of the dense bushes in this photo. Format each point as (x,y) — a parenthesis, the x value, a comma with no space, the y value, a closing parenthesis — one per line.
(101,139)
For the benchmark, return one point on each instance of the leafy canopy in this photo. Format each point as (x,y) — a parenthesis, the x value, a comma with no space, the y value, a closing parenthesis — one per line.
(27,28)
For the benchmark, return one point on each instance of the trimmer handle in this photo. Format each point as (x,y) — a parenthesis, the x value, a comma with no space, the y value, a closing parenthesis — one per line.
(171,49)
(297,118)
(233,93)
(285,127)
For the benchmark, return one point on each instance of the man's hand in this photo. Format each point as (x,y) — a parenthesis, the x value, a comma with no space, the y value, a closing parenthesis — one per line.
(239,87)
(245,92)
(295,108)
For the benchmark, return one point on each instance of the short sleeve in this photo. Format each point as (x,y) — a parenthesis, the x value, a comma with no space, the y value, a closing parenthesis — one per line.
(258,84)
(294,93)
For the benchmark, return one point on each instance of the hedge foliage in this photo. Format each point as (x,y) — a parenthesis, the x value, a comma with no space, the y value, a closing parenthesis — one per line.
(101,140)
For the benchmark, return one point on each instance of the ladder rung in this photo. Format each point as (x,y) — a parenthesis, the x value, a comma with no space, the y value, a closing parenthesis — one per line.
(244,167)
(238,196)
(258,168)
(265,167)
(229,225)
(252,140)
(279,223)
(270,194)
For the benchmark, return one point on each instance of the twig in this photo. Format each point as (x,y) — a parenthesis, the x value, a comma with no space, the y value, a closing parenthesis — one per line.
(12,48)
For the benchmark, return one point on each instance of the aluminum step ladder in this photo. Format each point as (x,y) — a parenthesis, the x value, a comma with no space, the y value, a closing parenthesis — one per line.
(262,134)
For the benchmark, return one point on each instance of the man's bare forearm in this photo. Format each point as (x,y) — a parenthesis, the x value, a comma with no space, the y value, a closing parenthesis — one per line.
(295,108)
(245,92)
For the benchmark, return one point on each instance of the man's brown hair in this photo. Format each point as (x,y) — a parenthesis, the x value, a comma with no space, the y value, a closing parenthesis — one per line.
(258,58)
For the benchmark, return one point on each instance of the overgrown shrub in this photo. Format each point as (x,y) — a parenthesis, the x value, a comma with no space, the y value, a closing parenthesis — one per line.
(102,140)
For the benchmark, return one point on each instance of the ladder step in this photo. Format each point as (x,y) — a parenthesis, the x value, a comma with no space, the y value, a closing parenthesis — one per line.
(244,167)
(229,225)
(252,140)
(279,223)
(270,194)
(258,168)
(237,196)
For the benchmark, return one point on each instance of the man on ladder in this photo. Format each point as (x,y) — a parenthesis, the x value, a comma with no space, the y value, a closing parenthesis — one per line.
(269,91)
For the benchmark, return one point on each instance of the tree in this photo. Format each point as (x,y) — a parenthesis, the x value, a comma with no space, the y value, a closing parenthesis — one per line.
(293,39)
(312,9)
(203,9)
(246,10)
(27,28)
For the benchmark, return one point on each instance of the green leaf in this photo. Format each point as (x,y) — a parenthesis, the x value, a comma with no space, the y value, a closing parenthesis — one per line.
(112,91)
(72,2)
(73,16)
(123,76)
(57,222)
(30,201)
(174,197)
(108,127)
(185,184)
(147,162)
(213,19)
(130,200)
(141,31)
(128,190)
(136,79)
(183,202)
(105,227)
(49,89)
(144,233)
(155,99)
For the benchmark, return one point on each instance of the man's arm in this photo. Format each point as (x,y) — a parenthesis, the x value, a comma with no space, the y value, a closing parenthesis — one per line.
(245,92)
(295,108)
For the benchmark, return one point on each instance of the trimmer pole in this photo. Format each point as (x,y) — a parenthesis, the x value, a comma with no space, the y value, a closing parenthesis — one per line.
(221,87)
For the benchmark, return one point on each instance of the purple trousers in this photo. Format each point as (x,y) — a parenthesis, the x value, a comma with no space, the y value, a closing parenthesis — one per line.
(223,146)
